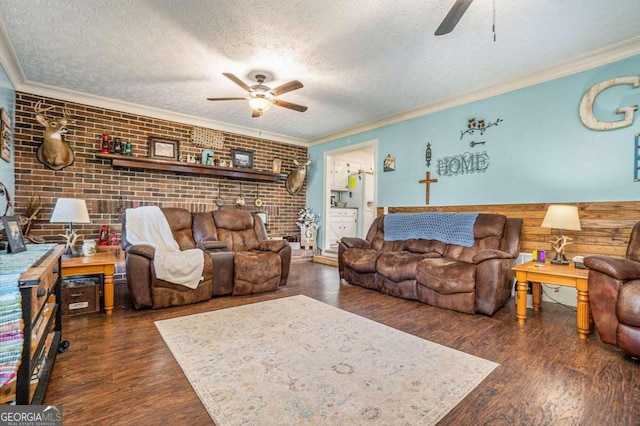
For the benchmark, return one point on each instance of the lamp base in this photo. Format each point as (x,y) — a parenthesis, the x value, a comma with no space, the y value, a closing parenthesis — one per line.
(70,252)
(560,259)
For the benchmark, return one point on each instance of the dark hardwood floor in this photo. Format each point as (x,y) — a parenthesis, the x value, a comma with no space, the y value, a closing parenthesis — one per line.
(118,371)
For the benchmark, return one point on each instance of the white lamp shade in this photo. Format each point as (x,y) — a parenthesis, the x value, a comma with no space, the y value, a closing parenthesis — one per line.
(70,210)
(562,217)
(260,104)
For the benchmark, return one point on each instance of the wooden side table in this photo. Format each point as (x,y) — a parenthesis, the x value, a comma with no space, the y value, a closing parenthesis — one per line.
(563,275)
(99,263)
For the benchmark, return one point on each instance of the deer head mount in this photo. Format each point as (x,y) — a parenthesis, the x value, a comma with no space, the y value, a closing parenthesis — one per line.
(295,179)
(54,152)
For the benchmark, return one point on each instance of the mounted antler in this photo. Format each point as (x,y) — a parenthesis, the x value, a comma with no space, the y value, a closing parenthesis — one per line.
(296,178)
(54,152)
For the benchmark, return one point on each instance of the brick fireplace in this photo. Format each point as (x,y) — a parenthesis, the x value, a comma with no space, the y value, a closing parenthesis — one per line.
(108,191)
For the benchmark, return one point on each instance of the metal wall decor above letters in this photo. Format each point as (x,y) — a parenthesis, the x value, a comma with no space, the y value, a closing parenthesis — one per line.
(480,125)
(427,155)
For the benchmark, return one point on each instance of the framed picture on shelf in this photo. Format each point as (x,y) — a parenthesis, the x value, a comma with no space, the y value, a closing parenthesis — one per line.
(242,159)
(13,230)
(277,165)
(164,149)
(5,135)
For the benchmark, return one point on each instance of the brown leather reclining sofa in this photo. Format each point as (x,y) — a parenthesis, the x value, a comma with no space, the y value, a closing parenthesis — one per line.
(241,259)
(465,279)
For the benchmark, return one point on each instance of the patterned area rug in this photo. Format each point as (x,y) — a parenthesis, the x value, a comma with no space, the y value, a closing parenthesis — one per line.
(299,361)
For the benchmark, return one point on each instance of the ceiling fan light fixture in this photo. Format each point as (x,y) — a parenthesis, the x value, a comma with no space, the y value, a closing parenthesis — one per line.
(260,104)
(262,97)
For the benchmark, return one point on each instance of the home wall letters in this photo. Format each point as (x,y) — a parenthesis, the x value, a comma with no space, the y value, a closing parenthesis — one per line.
(463,164)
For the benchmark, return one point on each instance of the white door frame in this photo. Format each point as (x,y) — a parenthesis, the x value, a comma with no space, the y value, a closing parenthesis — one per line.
(326,190)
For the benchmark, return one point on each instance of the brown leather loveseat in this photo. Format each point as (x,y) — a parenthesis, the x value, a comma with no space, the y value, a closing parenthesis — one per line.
(241,259)
(465,279)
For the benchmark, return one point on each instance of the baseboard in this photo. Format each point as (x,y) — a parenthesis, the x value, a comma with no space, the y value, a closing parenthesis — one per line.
(326,260)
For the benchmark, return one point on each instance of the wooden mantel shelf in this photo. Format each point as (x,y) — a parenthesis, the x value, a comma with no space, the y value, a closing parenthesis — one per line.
(118,160)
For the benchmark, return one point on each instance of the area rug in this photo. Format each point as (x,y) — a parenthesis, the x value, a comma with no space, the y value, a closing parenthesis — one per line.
(295,361)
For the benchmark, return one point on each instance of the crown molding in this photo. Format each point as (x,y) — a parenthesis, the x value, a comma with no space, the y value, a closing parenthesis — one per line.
(9,59)
(616,52)
(581,63)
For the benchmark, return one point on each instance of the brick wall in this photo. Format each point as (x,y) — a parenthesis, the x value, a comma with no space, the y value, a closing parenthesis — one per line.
(109,191)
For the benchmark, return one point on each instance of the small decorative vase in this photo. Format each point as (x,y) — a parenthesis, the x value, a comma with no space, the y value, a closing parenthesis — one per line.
(89,247)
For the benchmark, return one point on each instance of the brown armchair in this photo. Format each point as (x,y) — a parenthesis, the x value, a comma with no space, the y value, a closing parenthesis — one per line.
(614,296)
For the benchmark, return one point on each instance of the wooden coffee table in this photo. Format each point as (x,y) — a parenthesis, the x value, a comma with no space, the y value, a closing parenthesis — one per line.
(564,275)
(99,263)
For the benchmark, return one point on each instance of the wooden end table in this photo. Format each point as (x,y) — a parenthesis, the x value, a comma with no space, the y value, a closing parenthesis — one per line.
(563,275)
(99,263)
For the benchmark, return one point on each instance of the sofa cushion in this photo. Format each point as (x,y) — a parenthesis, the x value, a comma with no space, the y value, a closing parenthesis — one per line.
(399,266)
(465,254)
(164,293)
(446,276)
(204,228)
(236,228)
(488,231)
(255,272)
(181,226)
(420,245)
(361,260)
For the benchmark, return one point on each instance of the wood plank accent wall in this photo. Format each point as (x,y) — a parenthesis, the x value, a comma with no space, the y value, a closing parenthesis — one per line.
(606,226)
(109,191)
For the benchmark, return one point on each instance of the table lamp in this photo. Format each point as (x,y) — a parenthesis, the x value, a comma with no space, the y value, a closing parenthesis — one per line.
(564,218)
(70,210)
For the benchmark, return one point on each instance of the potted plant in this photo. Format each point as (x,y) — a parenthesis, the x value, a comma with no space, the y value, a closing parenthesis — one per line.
(308,227)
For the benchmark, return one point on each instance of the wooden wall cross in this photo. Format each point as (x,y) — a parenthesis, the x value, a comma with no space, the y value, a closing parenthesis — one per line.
(428,181)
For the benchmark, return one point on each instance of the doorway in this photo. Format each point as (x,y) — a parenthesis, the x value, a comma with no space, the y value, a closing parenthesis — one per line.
(353,161)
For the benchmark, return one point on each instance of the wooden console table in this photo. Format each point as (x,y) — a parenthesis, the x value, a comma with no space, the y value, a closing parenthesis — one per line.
(99,263)
(563,275)
(36,274)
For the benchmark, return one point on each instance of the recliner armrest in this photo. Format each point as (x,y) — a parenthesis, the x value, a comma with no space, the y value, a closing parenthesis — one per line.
(212,246)
(142,250)
(488,254)
(272,245)
(355,242)
(620,269)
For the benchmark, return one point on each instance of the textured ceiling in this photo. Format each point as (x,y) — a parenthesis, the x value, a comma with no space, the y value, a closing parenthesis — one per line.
(359,60)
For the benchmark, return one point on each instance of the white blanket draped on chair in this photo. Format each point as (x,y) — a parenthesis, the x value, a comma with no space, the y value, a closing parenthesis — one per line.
(148,225)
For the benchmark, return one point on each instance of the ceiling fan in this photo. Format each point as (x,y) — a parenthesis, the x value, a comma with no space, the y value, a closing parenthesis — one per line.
(262,97)
(451,20)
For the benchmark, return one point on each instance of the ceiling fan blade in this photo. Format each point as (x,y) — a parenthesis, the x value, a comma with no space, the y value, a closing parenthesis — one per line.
(287,87)
(452,18)
(226,99)
(256,114)
(236,80)
(289,105)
